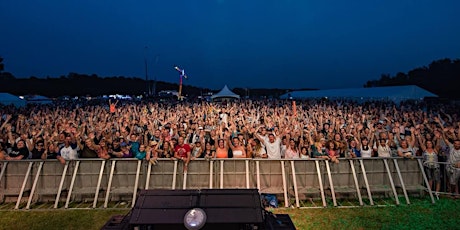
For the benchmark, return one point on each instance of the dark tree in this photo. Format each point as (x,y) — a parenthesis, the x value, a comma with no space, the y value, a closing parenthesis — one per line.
(4,75)
(440,77)
(2,66)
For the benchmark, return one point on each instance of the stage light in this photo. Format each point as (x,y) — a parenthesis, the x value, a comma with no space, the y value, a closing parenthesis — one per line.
(195,219)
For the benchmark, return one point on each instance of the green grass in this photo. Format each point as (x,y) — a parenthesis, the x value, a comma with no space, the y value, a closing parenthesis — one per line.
(421,214)
(60,219)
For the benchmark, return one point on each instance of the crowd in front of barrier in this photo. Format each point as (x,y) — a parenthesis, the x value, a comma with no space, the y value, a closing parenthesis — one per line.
(271,129)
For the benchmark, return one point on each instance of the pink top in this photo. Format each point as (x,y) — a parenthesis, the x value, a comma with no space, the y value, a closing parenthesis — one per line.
(291,154)
(333,153)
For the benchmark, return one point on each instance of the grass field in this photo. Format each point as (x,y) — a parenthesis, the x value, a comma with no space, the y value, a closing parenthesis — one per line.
(421,214)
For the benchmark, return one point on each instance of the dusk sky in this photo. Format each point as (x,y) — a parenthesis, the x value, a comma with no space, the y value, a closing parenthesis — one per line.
(242,43)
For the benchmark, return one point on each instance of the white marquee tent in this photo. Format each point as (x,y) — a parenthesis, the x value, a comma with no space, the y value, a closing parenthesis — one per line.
(39,99)
(225,94)
(8,99)
(392,93)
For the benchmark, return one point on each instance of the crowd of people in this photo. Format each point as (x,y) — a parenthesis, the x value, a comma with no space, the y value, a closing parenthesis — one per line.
(273,129)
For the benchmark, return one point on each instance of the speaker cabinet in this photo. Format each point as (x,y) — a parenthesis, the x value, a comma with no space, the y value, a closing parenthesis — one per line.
(222,209)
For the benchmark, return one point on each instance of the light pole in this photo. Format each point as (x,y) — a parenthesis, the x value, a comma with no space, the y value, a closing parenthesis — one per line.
(182,75)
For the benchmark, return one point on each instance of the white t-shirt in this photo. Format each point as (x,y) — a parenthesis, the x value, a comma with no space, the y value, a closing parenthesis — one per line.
(454,156)
(68,153)
(224,117)
(237,153)
(283,151)
(258,154)
(366,153)
(384,151)
(304,156)
(273,149)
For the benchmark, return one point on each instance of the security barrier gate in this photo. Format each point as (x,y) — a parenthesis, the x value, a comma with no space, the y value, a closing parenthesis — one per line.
(100,181)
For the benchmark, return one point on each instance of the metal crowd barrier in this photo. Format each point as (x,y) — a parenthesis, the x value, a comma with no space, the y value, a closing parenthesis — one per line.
(102,181)
(362,177)
(445,181)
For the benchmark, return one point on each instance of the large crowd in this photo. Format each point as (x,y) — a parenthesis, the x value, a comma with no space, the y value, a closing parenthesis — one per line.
(274,129)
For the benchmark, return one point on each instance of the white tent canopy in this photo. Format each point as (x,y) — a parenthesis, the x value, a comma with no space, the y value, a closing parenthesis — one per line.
(39,99)
(392,93)
(225,93)
(10,99)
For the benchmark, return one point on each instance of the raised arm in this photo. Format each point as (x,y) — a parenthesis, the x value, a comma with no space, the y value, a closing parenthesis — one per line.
(228,139)
(412,139)
(421,141)
(257,135)
(8,118)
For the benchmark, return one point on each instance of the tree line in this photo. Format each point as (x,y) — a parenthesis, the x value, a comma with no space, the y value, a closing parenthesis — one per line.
(440,77)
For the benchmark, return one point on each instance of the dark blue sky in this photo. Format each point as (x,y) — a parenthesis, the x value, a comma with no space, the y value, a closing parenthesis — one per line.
(243,43)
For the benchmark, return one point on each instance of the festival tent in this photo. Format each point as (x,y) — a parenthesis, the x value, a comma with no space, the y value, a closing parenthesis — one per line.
(10,99)
(225,94)
(39,99)
(391,93)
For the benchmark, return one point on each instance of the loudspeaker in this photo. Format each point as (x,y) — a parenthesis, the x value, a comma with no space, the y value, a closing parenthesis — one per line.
(224,208)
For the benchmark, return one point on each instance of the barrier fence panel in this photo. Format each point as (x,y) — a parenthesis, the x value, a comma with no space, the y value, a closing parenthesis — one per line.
(162,175)
(303,181)
(3,166)
(353,164)
(390,178)
(124,176)
(235,174)
(415,177)
(330,185)
(87,177)
(378,178)
(36,175)
(25,184)
(342,177)
(412,175)
(271,178)
(400,180)
(344,180)
(16,180)
(123,180)
(13,177)
(99,183)
(198,175)
(48,181)
(88,181)
(363,181)
(294,183)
